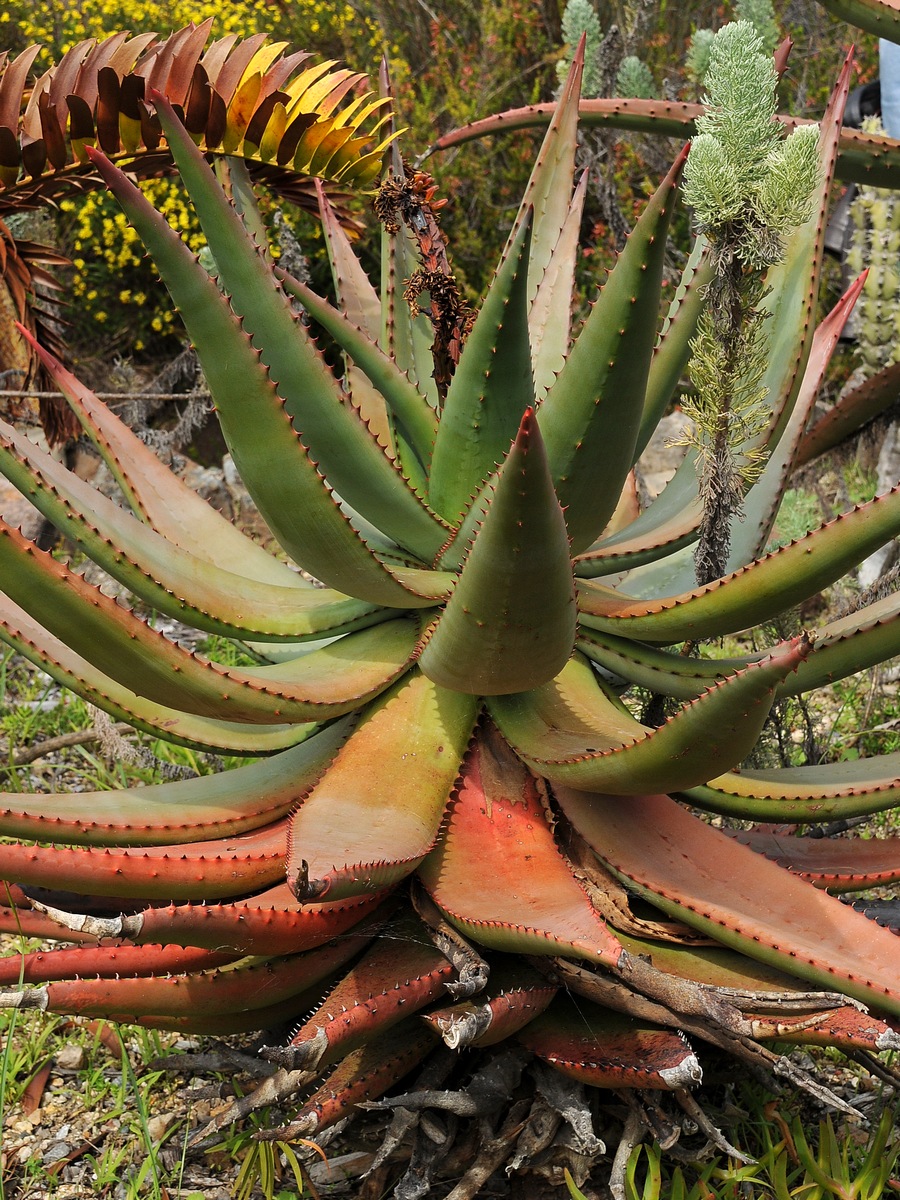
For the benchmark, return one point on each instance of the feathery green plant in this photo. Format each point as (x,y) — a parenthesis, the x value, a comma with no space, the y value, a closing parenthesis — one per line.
(748,187)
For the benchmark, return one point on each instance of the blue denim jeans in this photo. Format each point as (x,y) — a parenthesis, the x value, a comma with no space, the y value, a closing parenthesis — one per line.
(889,70)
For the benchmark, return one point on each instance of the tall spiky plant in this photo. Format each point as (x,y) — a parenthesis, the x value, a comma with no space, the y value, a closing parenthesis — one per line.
(455,820)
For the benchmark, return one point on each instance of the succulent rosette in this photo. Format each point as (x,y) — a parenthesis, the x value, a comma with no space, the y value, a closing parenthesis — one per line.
(454,819)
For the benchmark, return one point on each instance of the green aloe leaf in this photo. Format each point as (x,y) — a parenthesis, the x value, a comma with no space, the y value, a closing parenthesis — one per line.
(672,350)
(737,897)
(490,389)
(325,683)
(350,834)
(754,594)
(546,201)
(571,733)
(842,647)
(874,16)
(272,460)
(337,438)
(668,523)
(548,324)
(593,411)
(825,792)
(408,407)
(510,621)
(184,810)
(170,579)
(159,497)
(72,671)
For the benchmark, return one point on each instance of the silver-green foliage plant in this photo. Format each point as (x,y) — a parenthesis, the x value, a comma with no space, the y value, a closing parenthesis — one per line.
(634,79)
(748,186)
(580,20)
(759,13)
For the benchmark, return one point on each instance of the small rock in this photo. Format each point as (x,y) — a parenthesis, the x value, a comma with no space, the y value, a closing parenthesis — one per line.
(71,1058)
(57,1151)
(157,1126)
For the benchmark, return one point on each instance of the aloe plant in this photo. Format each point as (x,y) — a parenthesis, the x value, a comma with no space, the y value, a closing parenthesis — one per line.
(454,819)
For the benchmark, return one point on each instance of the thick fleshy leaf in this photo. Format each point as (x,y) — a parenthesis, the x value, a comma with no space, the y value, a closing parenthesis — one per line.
(401,973)
(204,870)
(864,638)
(273,461)
(497,873)
(608,1050)
(548,317)
(826,792)
(870,159)
(271,922)
(179,812)
(361,306)
(407,406)
(338,439)
(169,579)
(707,880)
(850,412)
(672,350)
(376,812)
(668,523)
(325,683)
(510,621)
(752,594)
(515,995)
(546,201)
(156,495)
(837,864)
(593,411)
(572,733)
(72,671)
(874,16)
(490,390)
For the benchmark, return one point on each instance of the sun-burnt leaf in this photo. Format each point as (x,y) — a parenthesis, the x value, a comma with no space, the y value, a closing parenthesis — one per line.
(497,873)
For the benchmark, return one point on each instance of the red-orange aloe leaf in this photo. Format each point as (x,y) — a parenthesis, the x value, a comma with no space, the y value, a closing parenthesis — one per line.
(853,409)
(399,974)
(117,961)
(251,985)
(376,812)
(515,996)
(365,1074)
(231,866)
(706,879)
(497,873)
(271,922)
(609,1050)
(510,621)
(570,731)
(837,864)
(846,1028)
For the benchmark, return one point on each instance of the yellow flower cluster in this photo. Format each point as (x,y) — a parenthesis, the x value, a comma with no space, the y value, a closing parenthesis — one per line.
(316,25)
(113,283)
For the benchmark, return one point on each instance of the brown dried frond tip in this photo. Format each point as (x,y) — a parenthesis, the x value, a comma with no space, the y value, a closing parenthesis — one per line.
(410,199)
